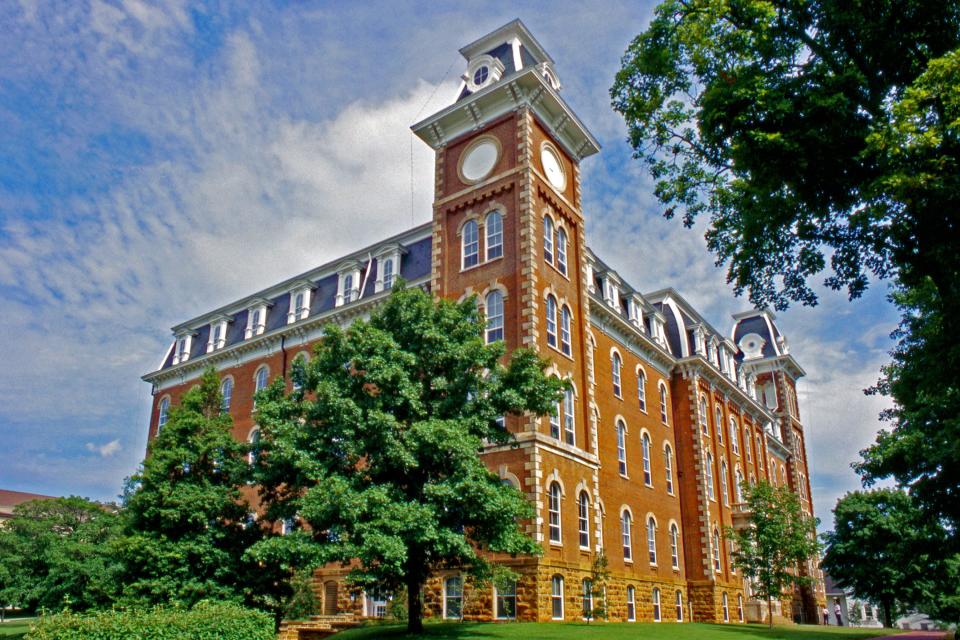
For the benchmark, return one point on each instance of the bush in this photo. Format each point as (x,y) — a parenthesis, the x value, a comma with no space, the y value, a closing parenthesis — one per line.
(206,621)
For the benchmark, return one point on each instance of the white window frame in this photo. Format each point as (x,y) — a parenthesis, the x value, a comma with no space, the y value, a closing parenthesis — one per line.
(652,540)
(674,546)
(493,239)
(621,428)
(556,597)
(295,314)
(716,550)
(664,401)
(493,308)
(668,466)
(551,309)
(562,250)
(724,485)
(163,412)
(711,490)
(469,245)
(642,389)
(718,418)
(616,369)
(447,597)
(678,603)
(218,325)
(554,505)
(734,435)
(348,283)
(645,444)
(565,322)
(583,519)
(548,231)
(631,604)
(655,601)
(226,399)
(182,346)
(625,538)
(258,309)
(497,596)
(569,426)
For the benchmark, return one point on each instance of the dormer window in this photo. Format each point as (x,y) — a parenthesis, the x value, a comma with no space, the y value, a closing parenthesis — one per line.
(610,292)
(256,319)
(300,302)
(218,334)
(480,75)
(483,71)
(634,311)
(181,352)
(388,266)
(348,288)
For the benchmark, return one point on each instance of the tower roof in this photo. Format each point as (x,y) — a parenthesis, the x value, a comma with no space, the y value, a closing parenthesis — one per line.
(513,30)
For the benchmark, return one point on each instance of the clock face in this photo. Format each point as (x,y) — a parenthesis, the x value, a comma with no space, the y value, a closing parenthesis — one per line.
(553,168)
(479,160)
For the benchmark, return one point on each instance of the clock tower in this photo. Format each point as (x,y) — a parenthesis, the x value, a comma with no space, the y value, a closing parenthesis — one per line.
(508,228)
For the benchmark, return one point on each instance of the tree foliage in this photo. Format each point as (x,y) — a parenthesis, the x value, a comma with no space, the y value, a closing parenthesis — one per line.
(56,554)
(188,524)
(378,449)
(778,542)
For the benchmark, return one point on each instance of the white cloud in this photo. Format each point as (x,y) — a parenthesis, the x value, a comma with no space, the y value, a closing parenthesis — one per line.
(105,450)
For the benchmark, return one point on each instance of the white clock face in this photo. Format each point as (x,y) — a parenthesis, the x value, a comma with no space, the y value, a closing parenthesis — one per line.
(479,160)
(553,168)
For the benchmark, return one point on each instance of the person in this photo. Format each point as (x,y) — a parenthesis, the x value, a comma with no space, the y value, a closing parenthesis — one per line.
(826,617)
(838,612)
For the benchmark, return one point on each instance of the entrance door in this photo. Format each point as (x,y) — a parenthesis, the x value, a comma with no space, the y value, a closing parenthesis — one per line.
(329,598)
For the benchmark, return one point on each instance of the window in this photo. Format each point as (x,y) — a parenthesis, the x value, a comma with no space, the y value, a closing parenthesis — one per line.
(740,607)
(254,441)
(182,350)
(652,539)
(298,371)
(555,421)
(679,601)
(583,519)
(710,489)
(674,546)
(298,307)
(348,288)
(625,534)
(556,597)
(562,251)
(494,310)
(663,404)
(506,593)
(719,424)
(453,598)
(726,609)
(642,390)
(746,446)
(734,437)
(739,487)
(551,321)
(622,447)
(548,240)
(218,335)
(631,604)
(226,394)
(724,489)
(703,416)
(668,467)
(480,75)
(388,273)
(655,597)
(587,598)
(568,425)
(716,550)
(616,364)
(554,508)
(759,451)
(494,229)
(260,379)
(565,330)
(164,413)
(470,243)
(647,472)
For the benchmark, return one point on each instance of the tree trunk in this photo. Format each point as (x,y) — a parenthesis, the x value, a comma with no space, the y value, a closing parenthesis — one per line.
(770,611)
(414,605)
(887,613)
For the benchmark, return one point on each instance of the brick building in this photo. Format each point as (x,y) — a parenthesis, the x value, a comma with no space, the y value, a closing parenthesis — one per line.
(667,415)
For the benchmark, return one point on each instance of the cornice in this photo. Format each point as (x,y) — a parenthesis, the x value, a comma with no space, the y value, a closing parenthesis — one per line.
(641,341)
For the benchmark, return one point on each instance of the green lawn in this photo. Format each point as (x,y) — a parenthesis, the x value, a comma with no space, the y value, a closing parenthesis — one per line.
(613,631)
(15,628)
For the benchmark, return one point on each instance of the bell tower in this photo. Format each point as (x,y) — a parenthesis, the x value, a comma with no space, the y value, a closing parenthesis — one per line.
(508,227)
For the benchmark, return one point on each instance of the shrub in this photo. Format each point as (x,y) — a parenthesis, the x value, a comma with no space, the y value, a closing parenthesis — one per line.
(206,621)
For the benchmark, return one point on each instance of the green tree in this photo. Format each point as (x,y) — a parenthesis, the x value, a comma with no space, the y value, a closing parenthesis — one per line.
(780,539)
(188,523)
(882,547)
(816,129)
(378,450)
(55,554)
(599,578)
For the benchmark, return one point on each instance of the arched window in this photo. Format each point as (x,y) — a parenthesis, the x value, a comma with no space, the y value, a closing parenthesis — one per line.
(565,330)
(164,413)
(453,598)
(740,607)
(647,470)
(642,390)
(494,310)
(622,447)
(663,404)
(551,308)
(587,598)
(625,535)
(668,467)
(674,546)
(631,604)
(298,371)
(760,451)
(616,365)
(388,273)
(548,240)
(678,599)
(556,597)
(226,394)
(260,379)
(724,489)
(298,308)
(470,244)
(716,550)
(703,416)
(652,539)
(347,288)
(583,519)
(746,446)
(254,441)
(739,488)
(734,437)
(562,251)
(554,508)
(710,489)
(726,608)
(655,597)
(569,432)
(494,228)
(555,420)
(719,423)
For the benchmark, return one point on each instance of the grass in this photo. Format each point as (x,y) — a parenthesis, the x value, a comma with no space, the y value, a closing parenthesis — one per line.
(612,631)
(15,628)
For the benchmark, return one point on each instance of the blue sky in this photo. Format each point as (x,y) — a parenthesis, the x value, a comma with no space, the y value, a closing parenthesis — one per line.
(160,159)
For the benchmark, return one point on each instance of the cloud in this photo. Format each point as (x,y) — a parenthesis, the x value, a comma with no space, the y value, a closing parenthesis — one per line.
(105,450)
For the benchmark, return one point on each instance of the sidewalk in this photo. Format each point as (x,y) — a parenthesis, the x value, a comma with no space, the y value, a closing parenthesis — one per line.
(916,635)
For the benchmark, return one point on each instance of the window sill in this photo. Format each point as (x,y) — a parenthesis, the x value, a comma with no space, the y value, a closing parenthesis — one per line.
(560,352)
(479,264)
